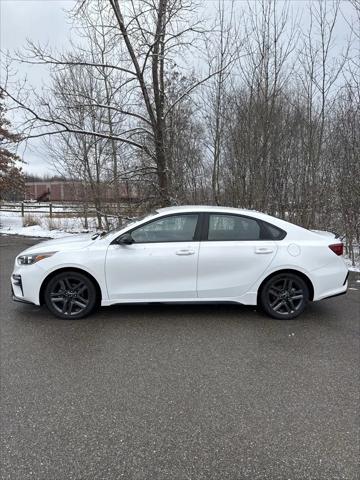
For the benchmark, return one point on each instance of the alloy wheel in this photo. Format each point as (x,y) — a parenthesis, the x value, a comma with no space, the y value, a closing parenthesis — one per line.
(286,296)
(69,296)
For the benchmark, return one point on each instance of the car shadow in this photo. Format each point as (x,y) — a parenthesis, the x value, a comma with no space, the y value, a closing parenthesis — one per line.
(316,313)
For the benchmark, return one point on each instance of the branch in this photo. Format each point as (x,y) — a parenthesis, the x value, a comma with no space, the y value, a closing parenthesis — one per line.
(66,128)
(75,63)
(195,85)
(116,109)
(117,11)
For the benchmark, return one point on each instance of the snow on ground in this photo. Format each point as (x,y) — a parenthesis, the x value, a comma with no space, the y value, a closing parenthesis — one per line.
(351,267)
(11,223)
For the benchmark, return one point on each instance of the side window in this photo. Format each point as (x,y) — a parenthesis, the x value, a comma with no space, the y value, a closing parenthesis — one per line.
(177,228)
(233,227)
(270,232)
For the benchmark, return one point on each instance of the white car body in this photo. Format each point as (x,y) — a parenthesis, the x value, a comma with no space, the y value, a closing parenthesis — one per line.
(190,271)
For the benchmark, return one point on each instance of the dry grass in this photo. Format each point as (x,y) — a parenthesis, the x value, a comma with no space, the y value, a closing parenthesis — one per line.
(31,220)
(51,224)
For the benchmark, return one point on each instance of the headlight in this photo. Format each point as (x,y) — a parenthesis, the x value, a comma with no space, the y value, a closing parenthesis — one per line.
(33,258)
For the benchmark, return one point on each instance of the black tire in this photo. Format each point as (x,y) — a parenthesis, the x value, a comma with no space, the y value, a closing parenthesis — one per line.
(284,296)
(70,295)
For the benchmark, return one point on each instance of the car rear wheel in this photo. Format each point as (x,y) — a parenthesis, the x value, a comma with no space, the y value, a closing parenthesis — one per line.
(284,296)
(70,295)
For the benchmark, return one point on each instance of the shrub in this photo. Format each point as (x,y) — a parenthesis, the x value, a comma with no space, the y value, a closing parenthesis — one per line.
(51,224)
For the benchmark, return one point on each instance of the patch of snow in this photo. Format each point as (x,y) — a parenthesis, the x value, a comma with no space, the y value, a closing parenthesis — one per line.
(11,223)
(351,267)
(33,231)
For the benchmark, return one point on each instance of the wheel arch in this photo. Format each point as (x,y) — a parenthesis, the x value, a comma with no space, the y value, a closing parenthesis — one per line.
(293,271)
(70,269)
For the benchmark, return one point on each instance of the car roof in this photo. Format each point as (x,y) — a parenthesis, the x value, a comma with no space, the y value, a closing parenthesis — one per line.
(298,231)
(218,209)
(293,231)
(204,208)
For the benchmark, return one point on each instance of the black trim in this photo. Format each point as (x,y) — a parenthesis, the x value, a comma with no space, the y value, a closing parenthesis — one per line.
(264,231)
(21,300)
(336,295)
(202,228)
(197,234)
(346,278)
(18,282)
(199,228)
(205,232)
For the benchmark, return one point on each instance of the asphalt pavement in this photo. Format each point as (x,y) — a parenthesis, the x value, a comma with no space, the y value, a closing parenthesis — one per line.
(178,392)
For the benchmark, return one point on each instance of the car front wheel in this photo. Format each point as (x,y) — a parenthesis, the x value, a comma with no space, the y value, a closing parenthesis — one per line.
(70,295)
(284,296)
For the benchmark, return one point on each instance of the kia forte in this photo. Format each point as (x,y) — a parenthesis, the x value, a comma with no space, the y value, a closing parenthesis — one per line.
(185,254)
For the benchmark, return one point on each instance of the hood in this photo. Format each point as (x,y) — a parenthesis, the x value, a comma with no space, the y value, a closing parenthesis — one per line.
(73,242)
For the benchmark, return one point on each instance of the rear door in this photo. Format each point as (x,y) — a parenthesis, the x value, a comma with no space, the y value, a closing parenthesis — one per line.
(232,256)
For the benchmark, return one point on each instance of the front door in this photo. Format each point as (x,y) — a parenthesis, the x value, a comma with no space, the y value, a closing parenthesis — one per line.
(161,264)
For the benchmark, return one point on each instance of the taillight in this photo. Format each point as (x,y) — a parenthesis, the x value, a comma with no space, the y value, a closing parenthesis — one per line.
(337,248)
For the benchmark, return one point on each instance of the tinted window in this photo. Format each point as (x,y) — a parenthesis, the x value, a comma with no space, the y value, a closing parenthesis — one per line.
(177,228)
(270,232)
(233,227)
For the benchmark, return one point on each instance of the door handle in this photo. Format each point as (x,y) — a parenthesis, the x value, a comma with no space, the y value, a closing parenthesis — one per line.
(263,250)
(185,252)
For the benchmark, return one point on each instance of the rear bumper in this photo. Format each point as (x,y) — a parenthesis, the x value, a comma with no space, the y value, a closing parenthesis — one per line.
(334,292)
(330,281)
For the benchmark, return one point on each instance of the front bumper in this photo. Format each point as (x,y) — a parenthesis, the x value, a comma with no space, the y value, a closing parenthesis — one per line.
(25,284)
(20,300)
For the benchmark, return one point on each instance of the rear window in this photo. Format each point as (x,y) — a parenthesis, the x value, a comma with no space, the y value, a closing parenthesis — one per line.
(233,227)
(223,227)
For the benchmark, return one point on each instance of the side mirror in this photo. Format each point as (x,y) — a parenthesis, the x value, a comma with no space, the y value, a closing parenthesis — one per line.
(125,239)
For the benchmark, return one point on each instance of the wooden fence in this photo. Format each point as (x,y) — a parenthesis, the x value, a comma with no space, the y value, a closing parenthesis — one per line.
(59,209)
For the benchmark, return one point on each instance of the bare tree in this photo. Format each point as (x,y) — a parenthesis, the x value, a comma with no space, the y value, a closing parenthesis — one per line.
(150,36)
(223,48)
(257,109)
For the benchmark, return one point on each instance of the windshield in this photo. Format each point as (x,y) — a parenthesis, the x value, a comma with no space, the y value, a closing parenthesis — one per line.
(129,222)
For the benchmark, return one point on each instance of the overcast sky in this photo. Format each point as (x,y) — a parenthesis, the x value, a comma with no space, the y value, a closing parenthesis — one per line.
(41,21)
(46,21)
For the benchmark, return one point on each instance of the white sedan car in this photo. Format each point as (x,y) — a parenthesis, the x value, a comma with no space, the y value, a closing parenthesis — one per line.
(185,254)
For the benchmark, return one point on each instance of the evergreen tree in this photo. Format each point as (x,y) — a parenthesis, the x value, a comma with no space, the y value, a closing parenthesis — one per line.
(11,176)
